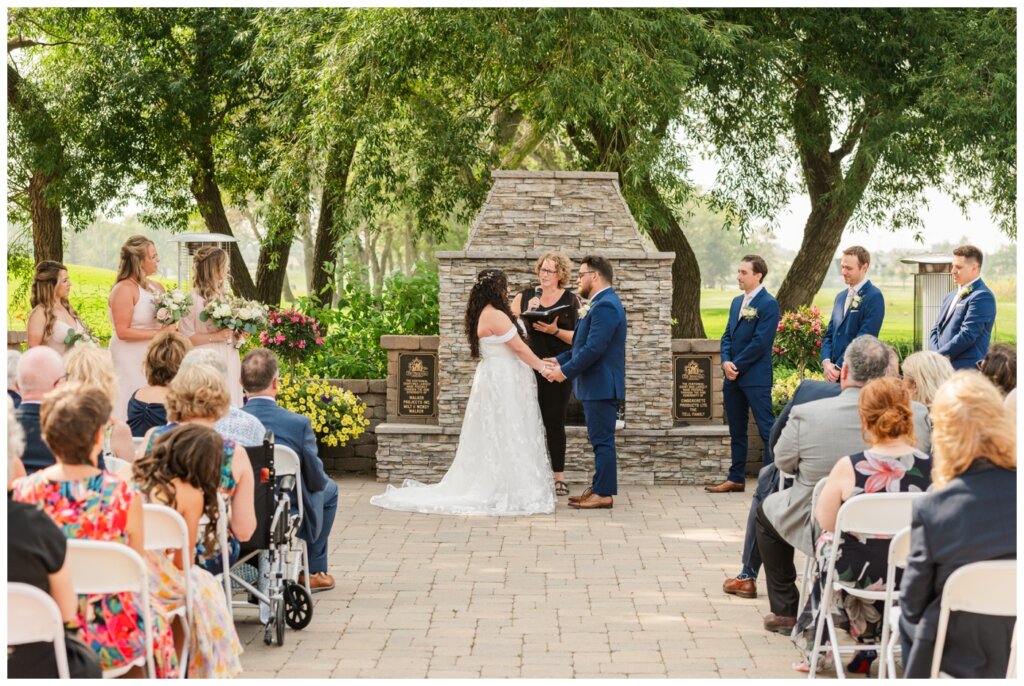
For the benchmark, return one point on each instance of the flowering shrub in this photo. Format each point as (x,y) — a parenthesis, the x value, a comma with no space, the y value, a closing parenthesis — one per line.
(171,306)
(784,387)
(291,334)
(798,339)
(337,415)
(242,316)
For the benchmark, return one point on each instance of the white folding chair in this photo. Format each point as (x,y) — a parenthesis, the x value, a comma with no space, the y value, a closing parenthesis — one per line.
(286,462)
(805,585)
(871,514)
(137,443)
(782,481)
(899,549)
(104,568)
(1011,667)
(981,588)
(33,617)
(165,529)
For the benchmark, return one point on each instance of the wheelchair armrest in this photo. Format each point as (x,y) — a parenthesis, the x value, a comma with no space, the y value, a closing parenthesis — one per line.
(287,483)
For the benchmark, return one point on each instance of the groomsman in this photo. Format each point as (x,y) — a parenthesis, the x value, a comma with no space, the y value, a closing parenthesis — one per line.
(964,326)
(858,310)
(747,366)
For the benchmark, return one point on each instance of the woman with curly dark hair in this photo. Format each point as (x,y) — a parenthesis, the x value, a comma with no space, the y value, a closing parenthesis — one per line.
(182,471)
(501,465)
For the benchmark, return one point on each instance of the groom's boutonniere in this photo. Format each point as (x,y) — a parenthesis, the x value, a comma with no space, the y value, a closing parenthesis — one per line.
(964,292)
(748,312)
(584,309)
(856,302)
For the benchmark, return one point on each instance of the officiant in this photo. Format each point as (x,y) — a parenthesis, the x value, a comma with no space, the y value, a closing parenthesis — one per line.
(550,315)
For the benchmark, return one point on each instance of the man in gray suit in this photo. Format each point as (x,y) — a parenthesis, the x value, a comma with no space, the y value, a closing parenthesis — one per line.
(817,435)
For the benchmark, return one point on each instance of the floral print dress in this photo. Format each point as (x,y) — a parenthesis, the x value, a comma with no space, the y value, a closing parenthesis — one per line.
(861,562)
(96,509)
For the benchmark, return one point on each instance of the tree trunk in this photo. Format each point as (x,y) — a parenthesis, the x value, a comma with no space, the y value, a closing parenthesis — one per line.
(211,208)
(47,240)
(306,226)
(409,234)
(273,260)
(286,291)
(332,210)
(812,262)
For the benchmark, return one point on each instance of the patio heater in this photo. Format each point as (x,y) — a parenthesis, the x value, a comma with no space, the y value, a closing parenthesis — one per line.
(932,283)
(188,243)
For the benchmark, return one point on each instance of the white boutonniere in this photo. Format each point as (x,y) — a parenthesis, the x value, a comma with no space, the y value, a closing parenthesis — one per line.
(856,302)
(584,309)
(748,312)
(964,292)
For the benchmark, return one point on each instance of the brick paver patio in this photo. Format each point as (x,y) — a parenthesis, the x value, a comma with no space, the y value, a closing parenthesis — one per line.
(634,591)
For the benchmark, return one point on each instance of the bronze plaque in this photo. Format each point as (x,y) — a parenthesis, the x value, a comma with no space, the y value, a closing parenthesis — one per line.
(417,384)
(691,392)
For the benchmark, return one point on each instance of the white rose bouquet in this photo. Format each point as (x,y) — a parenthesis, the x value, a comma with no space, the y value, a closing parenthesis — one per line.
(244,317)
(171,306)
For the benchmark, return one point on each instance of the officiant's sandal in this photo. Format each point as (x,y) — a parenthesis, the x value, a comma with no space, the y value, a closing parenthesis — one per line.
(561,488)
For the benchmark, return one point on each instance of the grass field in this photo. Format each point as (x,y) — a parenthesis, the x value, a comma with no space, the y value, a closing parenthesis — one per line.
(91,285)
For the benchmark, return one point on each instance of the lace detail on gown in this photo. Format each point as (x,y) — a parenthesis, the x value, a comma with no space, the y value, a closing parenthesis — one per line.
(501,465)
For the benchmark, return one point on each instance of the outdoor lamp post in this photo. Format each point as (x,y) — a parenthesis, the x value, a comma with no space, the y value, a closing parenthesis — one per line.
(188,243)
(932,282)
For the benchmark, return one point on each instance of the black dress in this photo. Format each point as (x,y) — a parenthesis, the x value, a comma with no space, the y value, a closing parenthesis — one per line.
(144,416)
(553,398)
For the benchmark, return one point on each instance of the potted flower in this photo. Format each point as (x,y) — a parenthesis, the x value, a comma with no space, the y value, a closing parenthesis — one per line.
(337,415)
(798,339)
(291,334)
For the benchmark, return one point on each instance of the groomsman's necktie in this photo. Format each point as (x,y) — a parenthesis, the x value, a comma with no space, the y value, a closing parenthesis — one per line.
(851,293)
(952,305)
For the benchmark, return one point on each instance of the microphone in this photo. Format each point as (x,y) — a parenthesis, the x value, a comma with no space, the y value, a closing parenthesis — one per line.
(538,291)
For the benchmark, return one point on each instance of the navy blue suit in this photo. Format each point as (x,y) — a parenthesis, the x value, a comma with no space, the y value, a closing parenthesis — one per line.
(863,318)
(37,455)
(596,365)
(964,336)
(747,343)
(319,492)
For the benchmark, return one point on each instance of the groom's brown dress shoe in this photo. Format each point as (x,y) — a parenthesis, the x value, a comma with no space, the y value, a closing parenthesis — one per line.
(744,588)
(726,487)
(593,502)
(779,624)
(581,496)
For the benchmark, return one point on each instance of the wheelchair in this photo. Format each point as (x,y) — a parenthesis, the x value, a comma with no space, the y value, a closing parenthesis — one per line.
(275,582)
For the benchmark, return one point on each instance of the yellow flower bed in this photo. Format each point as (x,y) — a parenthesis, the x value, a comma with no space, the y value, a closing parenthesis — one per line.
(337,415)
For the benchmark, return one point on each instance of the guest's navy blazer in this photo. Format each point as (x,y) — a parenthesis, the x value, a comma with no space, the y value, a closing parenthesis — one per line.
(37,455)
(596,363)
(964,336)
(974,518)
(295,431)
(864,318)
(747,343)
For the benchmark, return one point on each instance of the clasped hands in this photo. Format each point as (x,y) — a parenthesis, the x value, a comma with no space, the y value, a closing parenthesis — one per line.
(551,370)
(730,371)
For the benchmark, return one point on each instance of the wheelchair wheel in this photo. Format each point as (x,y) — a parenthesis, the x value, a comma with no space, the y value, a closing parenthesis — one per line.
(299,606)
(279,623)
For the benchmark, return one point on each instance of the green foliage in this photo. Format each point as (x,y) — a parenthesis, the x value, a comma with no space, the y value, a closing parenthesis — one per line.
(786,380)
(798,339)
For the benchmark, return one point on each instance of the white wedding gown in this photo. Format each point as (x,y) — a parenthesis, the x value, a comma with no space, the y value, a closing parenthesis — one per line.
(501,465)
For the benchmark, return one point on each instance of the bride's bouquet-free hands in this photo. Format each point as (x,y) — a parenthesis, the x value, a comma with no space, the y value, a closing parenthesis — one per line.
(171,306)
(238,315)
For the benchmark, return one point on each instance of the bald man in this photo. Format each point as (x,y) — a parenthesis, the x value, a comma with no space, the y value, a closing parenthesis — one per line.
(40,370)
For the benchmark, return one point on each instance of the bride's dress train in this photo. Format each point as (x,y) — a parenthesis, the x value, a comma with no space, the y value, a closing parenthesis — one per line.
(501,465)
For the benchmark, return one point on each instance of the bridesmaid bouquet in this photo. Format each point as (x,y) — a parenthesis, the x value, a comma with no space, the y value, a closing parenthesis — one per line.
(74,337)
(244,317)
(171,306)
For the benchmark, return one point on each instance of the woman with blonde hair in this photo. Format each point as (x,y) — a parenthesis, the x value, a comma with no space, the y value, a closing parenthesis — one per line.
(924,372)
(132,313)
(198,395)
(548,339)
(92,366)
(52,319)
(209,283)
(970,517)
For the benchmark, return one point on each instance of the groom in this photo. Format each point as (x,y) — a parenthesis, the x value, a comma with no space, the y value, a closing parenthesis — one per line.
(597,366)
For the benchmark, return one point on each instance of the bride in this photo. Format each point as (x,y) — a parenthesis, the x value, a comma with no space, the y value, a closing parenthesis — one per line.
(501,465)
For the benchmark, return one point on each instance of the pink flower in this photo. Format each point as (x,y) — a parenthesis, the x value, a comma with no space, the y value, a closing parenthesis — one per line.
(817,343)
(279,338)
(162,314)
(319,341)
(883,474)
(302,344)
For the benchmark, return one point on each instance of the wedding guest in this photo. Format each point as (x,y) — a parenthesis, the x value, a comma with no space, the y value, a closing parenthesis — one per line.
(1000,366)
(89,503)
(924,372)
(91,366)
(964,326)
(893,465)
(554,271)
(52,319)
(238,425)
(319,491)
(817,435)
(971,516)
(36,552)
(163,358)
(198,395)
(747,367)
(858,310)
(183,472)
(40,370)
(1011,403)
(12,377)
(209,282)
(133,317)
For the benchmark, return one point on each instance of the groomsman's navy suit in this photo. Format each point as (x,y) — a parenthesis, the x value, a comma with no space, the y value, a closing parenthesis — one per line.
(747,343)
(319,491)
(964,335)
(596,365)
(845,325)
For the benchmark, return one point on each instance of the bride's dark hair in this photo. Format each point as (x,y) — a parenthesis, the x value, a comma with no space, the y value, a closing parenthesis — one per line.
(491,288)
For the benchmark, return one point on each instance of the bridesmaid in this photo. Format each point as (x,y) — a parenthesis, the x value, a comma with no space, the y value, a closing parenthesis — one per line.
(52,315)
(209,277)
(133,316)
